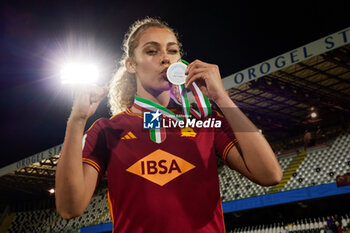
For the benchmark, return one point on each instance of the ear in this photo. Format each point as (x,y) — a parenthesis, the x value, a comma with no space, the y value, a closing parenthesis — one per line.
(130,66)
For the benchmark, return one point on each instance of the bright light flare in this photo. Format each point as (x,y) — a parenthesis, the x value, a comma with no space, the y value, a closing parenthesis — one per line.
(313,115)
(52,191)
(74,73)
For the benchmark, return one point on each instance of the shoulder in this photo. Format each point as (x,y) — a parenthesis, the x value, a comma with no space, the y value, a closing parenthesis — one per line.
(119,116)
(103,123)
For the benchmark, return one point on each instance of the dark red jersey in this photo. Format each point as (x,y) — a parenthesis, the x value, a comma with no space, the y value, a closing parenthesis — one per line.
(159,187)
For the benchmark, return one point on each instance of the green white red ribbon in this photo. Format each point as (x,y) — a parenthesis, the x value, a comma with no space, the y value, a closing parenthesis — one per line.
(201,100)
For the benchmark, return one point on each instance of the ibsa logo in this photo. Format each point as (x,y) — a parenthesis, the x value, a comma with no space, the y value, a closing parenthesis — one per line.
(160,167)
(151,120)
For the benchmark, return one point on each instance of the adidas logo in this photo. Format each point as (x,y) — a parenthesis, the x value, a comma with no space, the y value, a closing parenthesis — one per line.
(129,135)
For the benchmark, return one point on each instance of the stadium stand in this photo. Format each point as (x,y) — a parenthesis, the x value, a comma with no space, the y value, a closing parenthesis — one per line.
(300,225)
(48,220)
(319,165)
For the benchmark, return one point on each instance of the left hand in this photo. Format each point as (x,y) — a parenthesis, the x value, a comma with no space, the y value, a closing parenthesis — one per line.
(207,77)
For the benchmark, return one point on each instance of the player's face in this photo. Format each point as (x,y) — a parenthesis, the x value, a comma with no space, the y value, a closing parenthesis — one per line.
(156,50)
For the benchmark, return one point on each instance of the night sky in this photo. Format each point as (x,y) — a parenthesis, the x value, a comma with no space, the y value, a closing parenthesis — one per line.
(37,36)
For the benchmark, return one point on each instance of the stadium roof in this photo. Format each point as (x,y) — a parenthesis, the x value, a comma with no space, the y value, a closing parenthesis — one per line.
(280,94)
(277,95)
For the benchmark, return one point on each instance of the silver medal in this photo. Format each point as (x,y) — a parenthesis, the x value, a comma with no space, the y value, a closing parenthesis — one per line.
(176,73)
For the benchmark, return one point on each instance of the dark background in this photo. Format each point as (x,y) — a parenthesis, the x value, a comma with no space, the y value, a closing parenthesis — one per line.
(37,36)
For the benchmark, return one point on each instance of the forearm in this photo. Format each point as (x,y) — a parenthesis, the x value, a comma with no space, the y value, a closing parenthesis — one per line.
(256,151)
(70,185)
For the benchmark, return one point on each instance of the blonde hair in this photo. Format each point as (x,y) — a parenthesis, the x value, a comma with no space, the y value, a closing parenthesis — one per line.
(122,87)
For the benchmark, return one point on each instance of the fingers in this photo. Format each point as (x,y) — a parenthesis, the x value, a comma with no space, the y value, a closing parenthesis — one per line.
(91,92)
(98,93)
(207,77)
(195,74)
(201,70)
(194,71)
(195,64)
(87,99)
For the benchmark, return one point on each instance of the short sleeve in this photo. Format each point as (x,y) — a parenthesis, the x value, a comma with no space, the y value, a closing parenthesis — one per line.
(225,138)
(95,150)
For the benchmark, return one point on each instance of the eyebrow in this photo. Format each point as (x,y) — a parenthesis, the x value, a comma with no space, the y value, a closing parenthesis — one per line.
(154,43)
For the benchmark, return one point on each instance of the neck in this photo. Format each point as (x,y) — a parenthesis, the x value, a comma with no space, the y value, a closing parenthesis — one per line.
(161,98)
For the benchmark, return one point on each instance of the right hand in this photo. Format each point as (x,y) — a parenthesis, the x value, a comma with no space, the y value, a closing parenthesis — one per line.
(87,98)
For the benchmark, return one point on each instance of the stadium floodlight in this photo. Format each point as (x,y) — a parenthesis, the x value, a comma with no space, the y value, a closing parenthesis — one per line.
(78,73)
(313,115)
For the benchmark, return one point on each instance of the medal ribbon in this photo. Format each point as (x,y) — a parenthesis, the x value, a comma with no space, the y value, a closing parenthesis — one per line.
(201,100)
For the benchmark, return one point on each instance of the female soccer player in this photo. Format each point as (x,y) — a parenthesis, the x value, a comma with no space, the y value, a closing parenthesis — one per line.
(158,180)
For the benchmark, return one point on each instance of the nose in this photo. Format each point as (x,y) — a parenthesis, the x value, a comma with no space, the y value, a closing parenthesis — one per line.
(165,58)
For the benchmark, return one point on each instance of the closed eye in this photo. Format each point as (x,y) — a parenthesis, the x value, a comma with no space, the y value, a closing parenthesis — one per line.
(173,51)
(151,52)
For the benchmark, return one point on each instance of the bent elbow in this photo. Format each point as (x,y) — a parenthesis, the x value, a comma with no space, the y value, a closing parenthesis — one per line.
(273,179)
(277,177)
(65,214)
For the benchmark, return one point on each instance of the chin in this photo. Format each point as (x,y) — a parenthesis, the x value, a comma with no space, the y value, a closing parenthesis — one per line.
(160,86)
(165,85)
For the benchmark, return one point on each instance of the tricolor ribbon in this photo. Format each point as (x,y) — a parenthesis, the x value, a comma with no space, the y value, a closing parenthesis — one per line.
(202,102)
